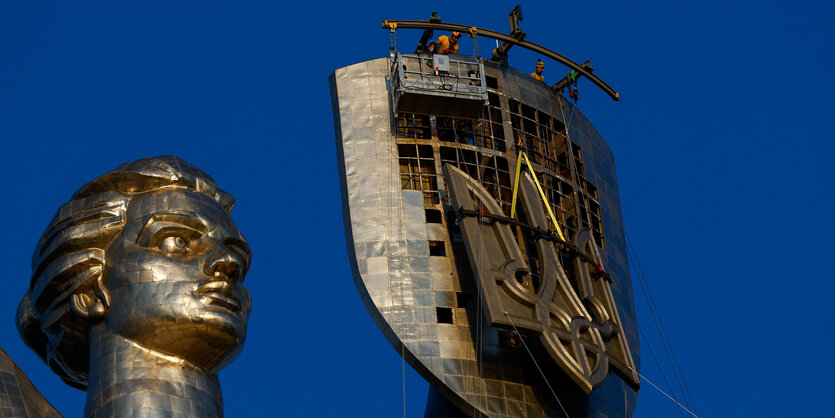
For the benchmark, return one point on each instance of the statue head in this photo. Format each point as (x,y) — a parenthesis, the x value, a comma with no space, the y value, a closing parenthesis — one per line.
(149,252)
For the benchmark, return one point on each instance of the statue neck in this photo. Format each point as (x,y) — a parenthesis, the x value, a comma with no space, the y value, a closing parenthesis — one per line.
(127,377)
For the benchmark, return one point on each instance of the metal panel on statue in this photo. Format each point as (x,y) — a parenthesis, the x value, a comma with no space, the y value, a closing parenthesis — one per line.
(438,279)
(581,341)
(146,332)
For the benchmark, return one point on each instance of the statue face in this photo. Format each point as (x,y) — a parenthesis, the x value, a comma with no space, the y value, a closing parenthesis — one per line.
(174,278)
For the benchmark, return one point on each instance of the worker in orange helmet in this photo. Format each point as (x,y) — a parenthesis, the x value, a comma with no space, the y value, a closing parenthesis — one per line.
(446,44)
(538,74)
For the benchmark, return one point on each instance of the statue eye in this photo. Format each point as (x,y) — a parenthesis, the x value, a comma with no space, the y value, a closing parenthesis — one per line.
(169,237)
(174,244)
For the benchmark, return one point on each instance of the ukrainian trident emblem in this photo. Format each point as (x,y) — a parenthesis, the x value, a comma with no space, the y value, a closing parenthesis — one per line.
(569,305)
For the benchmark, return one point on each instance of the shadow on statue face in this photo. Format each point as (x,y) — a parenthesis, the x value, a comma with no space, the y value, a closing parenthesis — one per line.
(174,278)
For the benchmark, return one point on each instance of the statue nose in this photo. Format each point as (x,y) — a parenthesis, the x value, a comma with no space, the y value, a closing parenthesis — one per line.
(226,263)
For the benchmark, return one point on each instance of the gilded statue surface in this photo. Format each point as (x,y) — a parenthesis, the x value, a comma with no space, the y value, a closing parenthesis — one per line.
(137,295)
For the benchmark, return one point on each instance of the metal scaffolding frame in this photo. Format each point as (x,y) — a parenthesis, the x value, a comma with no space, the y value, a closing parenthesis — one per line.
(509,40)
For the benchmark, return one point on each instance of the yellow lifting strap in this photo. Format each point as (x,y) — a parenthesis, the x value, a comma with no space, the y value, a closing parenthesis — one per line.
(541,192)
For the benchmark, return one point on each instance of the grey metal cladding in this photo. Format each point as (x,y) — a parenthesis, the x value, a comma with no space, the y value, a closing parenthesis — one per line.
(582,337)
(18,397)
(428,303)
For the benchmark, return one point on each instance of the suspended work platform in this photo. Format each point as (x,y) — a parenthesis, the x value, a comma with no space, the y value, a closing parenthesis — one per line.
(451,85)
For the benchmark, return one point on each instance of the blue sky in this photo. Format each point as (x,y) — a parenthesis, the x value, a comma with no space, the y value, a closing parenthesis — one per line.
(723,141)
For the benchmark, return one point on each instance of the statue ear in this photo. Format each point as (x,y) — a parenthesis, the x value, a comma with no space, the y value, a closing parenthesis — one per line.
(92,303)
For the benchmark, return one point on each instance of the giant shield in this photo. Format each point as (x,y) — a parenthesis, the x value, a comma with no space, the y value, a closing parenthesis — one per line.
(523,315)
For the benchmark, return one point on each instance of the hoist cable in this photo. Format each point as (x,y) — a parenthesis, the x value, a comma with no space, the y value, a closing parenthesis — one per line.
(662,331)
(537,365)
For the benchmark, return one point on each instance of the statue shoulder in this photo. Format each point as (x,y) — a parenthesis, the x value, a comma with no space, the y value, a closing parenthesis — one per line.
(18,395)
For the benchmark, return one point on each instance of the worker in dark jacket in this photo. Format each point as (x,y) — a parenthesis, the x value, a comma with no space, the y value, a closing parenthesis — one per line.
(538,74)
(446,44)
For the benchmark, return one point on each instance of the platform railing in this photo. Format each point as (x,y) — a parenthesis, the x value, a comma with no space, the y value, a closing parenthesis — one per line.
(413,75)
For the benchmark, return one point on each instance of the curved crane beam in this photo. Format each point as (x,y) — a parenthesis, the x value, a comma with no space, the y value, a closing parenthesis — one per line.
(418,24)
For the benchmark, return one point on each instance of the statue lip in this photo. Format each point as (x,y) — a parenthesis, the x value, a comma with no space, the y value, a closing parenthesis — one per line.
(219,293)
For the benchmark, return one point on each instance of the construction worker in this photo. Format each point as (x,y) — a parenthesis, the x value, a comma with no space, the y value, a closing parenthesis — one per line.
(538,74)
(446,44)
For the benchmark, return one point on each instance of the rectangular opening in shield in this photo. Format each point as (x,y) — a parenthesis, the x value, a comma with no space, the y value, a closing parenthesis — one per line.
(444,315)
(434,216)
(465,300)
(437,249)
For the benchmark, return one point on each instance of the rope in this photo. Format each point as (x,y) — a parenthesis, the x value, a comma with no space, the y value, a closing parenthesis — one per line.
(536,364)
(575,178)
(659,324)
(649,347)
(567,123)
(654,359)
(642,281)
(479,330)
(671,356)
(625,408)
(665,393)
(479,310)
(474,36)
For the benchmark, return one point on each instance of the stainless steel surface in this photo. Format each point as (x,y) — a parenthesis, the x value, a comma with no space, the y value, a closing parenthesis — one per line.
(580,328)
(18,397)
(137,291)
(410,265)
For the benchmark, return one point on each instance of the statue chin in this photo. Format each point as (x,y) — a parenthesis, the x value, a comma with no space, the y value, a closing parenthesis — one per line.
(211,350)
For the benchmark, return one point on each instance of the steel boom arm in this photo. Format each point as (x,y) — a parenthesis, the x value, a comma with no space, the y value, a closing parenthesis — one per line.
(418,24)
